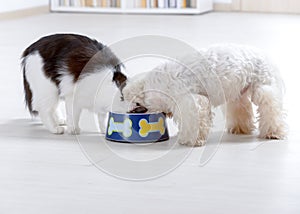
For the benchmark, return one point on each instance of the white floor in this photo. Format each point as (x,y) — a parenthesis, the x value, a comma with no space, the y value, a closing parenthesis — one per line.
(44,173)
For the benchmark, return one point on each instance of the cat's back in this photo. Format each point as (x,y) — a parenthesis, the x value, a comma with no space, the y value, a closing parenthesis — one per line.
(62,45)
(63,54)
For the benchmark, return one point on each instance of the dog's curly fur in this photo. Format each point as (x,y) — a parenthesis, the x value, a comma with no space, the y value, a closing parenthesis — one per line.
(222,74)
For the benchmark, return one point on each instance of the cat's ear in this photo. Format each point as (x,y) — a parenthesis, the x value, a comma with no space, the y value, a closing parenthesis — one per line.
(119,79)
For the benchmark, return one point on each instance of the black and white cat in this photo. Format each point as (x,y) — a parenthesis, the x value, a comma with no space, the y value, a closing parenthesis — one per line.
(72,68)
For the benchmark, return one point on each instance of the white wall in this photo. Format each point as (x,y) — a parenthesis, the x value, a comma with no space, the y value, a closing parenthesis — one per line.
(222,1)
(11,5)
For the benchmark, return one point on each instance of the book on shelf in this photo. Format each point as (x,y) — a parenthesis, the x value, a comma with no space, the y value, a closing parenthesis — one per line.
(64,3)
(90,3)
(173,4)
(161,3)
(153,3)
(144,4)
(105,3)
(130,3)
(139,3)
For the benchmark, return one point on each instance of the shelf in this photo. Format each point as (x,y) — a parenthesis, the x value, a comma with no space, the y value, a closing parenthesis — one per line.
(201,6)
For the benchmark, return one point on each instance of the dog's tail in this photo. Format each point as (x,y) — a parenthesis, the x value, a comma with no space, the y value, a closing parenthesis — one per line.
(27,90)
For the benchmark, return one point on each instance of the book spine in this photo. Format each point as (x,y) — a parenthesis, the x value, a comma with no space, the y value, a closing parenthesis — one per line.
(89,3)
(154,3)
(112,3)
(103,3)
(137,3)
(166,2)
(194,3)
(183,3)
(82,3)
(118,3)
(161,3)
(188,3)
(178,4)
(143,3)
(148,4)
(130,4)
(108,3)
(172,3)
(66,3)
(74,3)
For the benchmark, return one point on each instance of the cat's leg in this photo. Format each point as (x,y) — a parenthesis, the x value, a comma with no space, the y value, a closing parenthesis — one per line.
(49,122)
(102,121)
(59,116)
(46,106)
(73,112)
(44,92)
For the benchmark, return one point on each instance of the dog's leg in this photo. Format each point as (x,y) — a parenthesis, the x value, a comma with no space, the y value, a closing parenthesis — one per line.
(205,119)
(271,115)
(239,116)
(193,115)
(73,114)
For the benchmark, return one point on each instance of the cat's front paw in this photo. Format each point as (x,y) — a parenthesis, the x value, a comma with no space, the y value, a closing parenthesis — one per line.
(73,130)
(102,129)
(61,122)
(58,130)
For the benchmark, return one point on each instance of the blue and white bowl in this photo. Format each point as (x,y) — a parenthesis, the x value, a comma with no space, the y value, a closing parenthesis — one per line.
(137,128)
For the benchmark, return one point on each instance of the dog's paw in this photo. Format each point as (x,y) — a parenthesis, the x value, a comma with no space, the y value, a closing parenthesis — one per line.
(273,136)
(239,130)
(73,130)
(200,143)
(190,143)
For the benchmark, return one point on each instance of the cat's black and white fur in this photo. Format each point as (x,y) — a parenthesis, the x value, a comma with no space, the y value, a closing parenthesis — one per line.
(76,69)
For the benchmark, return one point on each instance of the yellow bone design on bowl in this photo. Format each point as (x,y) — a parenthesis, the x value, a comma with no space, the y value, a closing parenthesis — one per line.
(146,128)
(125,128)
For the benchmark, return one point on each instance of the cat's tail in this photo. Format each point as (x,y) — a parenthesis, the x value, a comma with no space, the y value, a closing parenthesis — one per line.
(27,90)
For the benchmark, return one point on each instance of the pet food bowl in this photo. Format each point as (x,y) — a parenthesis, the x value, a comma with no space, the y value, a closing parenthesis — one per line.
(137,128)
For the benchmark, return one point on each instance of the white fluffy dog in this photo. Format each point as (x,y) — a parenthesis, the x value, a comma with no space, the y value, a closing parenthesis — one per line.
(222,74)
